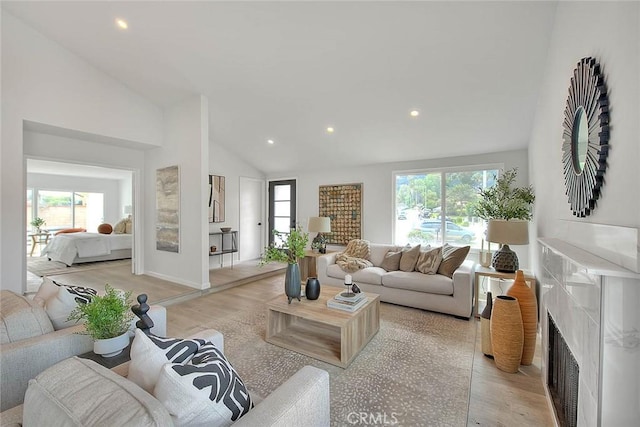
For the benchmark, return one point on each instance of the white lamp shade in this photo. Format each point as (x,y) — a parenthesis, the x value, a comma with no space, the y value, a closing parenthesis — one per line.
(511,232)
(319,224)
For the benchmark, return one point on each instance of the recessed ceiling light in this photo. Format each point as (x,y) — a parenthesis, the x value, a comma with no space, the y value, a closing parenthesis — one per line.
(330,129)
(414,113)
(270,141)
(122,23)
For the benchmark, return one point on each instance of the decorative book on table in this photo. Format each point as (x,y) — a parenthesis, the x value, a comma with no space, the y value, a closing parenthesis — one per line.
(351,298)
(346,305)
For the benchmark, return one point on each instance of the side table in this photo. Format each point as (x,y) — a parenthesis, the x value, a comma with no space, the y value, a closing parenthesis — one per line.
(39,239)
(491,272)
(308,264)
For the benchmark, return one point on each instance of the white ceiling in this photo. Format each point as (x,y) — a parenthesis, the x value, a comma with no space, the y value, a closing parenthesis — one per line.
(287,70)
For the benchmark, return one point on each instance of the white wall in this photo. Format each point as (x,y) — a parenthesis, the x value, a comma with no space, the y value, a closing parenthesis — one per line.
(378,204)
(608,31)
(45,83)
(109,187)
(186,144)
(225,163)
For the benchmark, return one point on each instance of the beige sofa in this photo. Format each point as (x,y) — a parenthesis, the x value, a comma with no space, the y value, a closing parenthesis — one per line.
(434,292)
(74,392)
(29,343)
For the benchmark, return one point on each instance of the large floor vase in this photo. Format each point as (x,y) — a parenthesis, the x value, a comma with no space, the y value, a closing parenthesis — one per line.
(529,311)
(507,334)
(292,286)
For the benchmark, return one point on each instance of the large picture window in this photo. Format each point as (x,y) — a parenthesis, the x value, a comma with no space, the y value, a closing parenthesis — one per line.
(65,209)
(436,206)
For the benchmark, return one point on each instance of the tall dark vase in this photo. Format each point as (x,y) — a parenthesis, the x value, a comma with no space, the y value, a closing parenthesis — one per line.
(312,288)
(292,285)
(485,319)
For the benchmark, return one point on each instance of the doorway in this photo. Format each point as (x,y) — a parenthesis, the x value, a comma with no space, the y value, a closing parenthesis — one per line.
(282,207)
(251,218)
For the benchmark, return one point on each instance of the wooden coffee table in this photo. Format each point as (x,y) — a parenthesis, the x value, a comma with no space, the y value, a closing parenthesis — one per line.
(311,328)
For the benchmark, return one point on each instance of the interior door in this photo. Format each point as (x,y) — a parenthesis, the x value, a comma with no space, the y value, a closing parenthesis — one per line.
(251,218)
(282,207)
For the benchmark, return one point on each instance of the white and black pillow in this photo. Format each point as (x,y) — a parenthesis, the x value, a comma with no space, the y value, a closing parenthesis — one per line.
(150,353)
(207,390)
(81,294)
(63,301)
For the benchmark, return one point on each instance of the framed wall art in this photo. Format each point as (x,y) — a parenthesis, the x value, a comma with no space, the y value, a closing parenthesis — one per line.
(168,209)
(216,198)
(343,204)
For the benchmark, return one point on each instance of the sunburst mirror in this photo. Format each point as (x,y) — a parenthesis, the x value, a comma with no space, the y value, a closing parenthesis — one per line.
(585,137)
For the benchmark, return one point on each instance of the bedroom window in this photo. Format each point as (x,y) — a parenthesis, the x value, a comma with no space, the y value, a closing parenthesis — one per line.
(435,207)
(65,209)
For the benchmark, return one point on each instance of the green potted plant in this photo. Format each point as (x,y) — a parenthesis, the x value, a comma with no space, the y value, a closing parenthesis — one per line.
(38,223)
(290,250)
(507,209)
(107,319)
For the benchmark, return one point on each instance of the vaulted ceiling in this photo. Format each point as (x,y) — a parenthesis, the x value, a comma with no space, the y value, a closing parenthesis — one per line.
(286,71)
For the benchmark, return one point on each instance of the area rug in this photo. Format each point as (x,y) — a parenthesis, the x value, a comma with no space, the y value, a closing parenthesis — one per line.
(415,372)
(41,266)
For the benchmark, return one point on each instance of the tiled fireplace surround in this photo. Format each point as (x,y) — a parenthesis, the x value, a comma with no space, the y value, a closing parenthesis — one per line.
(595,304)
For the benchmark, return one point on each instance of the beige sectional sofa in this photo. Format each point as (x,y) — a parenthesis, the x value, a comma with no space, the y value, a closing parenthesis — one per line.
(434,292)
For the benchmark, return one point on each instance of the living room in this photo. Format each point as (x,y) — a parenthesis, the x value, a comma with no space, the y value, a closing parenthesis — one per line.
(61,102)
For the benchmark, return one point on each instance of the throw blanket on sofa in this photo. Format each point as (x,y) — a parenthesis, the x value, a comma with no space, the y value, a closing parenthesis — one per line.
(355,257)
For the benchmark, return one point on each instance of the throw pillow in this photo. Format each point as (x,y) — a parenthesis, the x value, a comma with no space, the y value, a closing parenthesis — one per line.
(46,291)
(150,353)
(429,261)
(391,261)
(128,229)
(409,258)
(120,227)
(204,391)
(105,228)
(452,258)
(60,306)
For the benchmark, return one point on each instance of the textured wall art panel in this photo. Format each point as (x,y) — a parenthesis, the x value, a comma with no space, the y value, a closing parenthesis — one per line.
(343,204)
(168,209)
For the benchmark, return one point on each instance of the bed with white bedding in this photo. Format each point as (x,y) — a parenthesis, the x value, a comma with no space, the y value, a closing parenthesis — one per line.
(76,248)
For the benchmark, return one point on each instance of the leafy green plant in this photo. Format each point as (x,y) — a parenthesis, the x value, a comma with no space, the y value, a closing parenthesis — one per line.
(290,250)
(38,222)
(503,201)
(106,316)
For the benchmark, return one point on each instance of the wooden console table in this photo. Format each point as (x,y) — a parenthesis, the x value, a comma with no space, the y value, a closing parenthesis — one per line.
(308,264)
(228,244)
(491,272)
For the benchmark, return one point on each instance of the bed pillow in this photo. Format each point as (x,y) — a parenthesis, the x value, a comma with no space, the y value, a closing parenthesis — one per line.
(452,258)
(105,228)
(128,227)
(206,390)
(150,353)
(70,230)
(60,306)
(120,227)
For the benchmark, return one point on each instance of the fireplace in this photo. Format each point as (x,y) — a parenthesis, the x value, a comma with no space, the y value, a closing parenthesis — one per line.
(562,377)
(590,324)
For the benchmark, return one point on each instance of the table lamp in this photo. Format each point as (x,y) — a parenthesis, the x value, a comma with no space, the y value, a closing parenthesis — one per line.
(507,232)
(319,224)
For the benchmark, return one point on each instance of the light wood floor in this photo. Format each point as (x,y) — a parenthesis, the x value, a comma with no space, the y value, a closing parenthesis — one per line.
(496,398)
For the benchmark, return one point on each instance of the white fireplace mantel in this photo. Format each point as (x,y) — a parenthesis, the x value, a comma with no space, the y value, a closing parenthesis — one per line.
(596,306)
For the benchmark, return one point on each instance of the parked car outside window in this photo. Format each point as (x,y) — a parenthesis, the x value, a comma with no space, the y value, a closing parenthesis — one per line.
(454,231)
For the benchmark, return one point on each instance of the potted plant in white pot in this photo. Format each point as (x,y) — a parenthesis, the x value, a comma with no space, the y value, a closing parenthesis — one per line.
(290,250)
(38,223)
(507,210)
(107,319)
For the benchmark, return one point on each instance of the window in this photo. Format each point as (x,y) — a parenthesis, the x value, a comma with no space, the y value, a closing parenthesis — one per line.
(282,209)
(65,209)
(436,207)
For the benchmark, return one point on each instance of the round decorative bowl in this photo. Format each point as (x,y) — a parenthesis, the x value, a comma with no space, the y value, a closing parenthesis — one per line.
(225,229)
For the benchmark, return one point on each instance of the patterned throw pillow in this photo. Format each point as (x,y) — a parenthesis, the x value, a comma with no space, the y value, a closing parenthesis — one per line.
(452,258)
(391,261)
(429,261)
(61,304)
(409,258)
(204,391)
(150,353)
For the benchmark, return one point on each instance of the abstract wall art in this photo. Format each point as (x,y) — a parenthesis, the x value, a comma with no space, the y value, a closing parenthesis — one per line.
(216,198)
(168,209)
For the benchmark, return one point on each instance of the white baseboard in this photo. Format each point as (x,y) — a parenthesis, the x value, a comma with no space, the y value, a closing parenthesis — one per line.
(178,280)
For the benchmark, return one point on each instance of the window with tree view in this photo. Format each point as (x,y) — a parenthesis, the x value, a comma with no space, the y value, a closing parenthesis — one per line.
(436,207)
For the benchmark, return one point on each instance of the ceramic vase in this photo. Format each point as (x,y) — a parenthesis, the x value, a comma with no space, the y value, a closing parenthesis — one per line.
(111,347)
(312,288)
(529,311)
(292,286)
(485,327)
(507,334)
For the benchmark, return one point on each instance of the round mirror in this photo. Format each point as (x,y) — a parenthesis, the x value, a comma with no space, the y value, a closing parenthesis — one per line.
(579,140)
